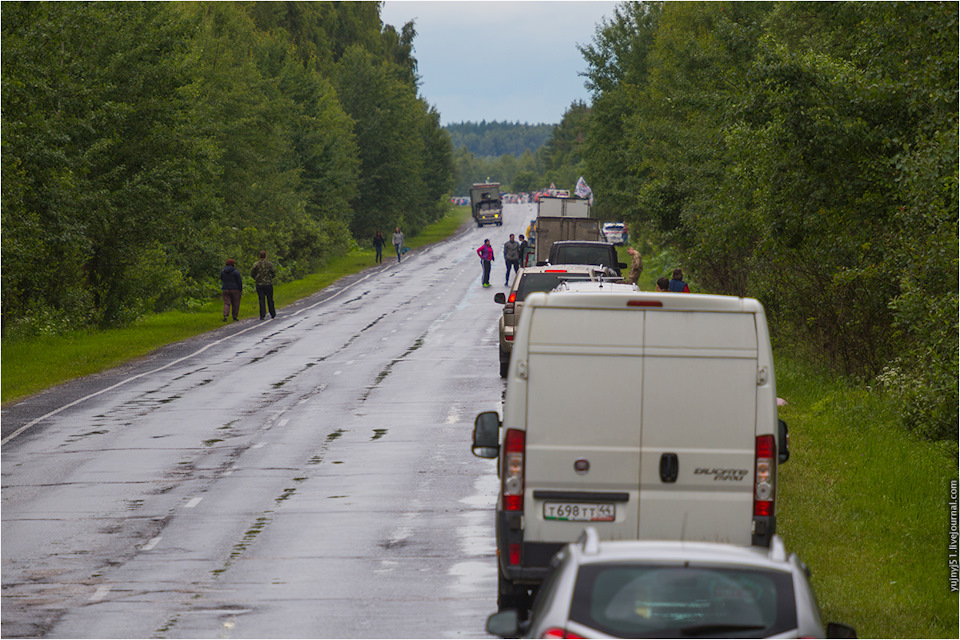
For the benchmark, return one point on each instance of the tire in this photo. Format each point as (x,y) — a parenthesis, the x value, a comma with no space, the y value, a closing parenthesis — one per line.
(514,596)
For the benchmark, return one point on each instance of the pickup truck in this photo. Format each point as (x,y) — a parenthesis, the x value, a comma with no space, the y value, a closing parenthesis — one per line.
(603,254)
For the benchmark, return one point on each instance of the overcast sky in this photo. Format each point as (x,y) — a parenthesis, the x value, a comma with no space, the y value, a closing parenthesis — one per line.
(500,60)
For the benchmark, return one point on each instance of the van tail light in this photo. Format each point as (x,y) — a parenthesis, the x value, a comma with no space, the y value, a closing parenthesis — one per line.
(556,632)
(765,477)
(514,445)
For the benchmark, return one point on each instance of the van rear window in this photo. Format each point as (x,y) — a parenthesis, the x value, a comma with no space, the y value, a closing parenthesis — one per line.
(649,601)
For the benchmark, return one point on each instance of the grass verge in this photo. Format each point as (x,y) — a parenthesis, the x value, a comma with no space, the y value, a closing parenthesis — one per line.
(866,506)
(31,365)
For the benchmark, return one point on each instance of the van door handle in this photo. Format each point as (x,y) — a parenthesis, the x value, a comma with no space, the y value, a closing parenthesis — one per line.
(669,467)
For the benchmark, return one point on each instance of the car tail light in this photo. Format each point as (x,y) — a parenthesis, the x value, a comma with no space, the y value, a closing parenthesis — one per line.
(511,303)
(514,445)
(765,476)
(644,303)
(556,632)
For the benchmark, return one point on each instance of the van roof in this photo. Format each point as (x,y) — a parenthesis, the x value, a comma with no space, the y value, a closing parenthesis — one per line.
(610,299)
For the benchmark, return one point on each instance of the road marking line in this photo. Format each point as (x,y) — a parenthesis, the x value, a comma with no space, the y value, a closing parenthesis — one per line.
(259,445)
(215,343)
(283,422)
(100,594)
(194,502)
(151,544)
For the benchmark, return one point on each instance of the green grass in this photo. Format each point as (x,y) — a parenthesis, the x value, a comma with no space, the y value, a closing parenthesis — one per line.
(866,506)
(31,365)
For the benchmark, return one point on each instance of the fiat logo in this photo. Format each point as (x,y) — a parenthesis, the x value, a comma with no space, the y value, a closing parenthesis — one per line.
(581,466)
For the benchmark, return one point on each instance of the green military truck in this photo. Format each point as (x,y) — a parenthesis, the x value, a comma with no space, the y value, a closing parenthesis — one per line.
(486,204)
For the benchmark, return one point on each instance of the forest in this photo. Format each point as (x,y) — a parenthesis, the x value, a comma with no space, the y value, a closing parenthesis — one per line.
(145,143)
(495,139)
(805,154)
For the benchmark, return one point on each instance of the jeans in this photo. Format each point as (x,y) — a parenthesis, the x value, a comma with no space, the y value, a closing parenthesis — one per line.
(516,268)
(265,294)
(486,271)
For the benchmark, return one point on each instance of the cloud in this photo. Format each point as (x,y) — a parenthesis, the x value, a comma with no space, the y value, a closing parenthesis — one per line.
(513,61)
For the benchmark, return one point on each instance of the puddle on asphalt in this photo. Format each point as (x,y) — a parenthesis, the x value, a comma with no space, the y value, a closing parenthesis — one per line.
(378,433)
(211,442)
(334,435)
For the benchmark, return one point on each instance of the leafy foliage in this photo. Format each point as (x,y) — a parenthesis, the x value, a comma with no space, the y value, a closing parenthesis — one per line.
(143,144)
(802,153)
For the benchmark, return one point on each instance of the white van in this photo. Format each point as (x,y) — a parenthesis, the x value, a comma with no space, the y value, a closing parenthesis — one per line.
(644,415)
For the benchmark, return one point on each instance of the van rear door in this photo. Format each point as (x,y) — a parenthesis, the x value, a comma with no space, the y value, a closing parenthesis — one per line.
(699,426)
(584,406)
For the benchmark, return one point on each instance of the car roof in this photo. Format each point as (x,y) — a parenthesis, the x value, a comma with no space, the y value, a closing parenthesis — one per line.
(597,286)
(562,268)
(590,550)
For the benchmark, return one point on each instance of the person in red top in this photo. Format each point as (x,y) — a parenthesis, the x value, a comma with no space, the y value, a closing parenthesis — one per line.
(486,260)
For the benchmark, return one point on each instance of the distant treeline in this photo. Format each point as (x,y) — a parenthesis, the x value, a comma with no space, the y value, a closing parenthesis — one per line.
(145,143)
(555,158)
(803,153)
(495,139)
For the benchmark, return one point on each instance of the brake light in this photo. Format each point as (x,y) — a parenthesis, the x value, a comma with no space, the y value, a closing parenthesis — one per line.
(644,303)
(514,444)
(556,632)
(765,476)
(554,270)
(513,297)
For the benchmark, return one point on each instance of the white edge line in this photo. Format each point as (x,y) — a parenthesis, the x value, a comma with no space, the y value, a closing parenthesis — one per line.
(33,422)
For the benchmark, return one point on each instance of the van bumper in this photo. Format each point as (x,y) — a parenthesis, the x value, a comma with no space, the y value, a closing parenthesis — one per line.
(534,556)
(763,529)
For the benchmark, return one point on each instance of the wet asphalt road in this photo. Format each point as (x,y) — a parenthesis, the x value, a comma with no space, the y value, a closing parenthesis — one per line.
(308,476)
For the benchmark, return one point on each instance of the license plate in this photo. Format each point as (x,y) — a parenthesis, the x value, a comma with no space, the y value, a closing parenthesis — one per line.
(579,512)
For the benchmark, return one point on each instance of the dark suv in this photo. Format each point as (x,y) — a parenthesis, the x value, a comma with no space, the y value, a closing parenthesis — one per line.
(603,254)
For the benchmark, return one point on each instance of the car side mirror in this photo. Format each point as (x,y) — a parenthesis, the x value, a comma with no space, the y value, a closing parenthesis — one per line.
(783,442)
(840,630)
(622,265)
(505,624)
(486,435)
(500,298)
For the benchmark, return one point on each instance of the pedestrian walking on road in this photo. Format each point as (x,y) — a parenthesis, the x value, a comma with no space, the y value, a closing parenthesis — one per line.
(231,283)
(524,247)
(263,274)
(486,260)
(511,256)
(378,242)
(398,242)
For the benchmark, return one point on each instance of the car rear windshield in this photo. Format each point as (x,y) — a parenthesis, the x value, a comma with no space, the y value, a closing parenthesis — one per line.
(644,601)
(584,255)
(531,282)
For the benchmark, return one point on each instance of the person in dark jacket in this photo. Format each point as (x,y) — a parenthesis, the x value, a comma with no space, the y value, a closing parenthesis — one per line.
(263,273)
(378,243)
(231,282)
(677,285)
(511,256)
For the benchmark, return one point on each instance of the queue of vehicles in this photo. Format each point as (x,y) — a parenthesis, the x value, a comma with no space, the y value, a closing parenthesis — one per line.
(644,417)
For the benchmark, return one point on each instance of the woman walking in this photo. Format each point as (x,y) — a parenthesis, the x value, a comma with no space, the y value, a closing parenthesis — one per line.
(231,283)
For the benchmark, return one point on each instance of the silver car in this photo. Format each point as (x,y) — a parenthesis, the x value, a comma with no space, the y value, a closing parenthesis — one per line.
(528,280)
(666,589)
